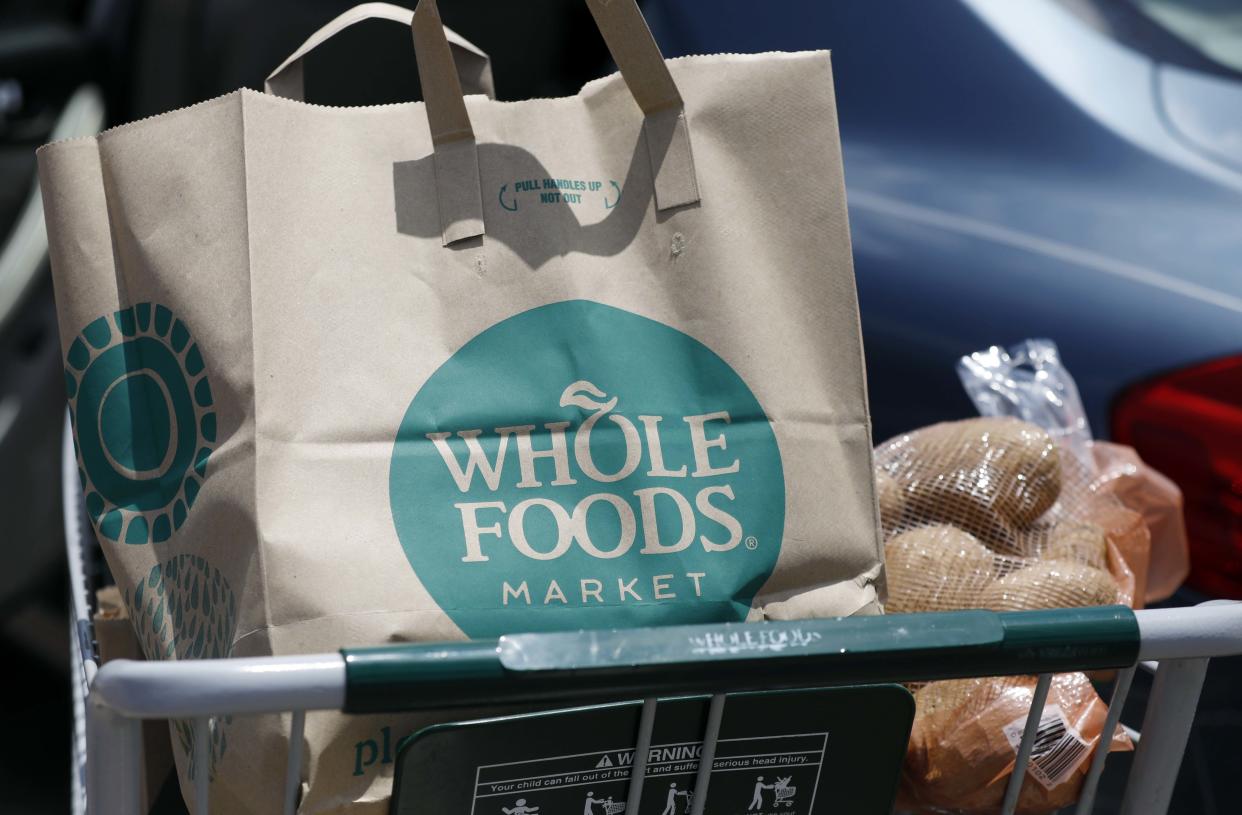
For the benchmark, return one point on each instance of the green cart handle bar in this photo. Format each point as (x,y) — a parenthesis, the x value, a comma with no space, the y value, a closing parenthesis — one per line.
(629,663)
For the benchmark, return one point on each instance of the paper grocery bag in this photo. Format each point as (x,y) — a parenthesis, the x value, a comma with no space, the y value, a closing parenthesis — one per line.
(429,371)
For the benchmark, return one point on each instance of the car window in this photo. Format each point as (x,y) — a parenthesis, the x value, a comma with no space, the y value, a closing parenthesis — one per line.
(1198,35)
(1213,27)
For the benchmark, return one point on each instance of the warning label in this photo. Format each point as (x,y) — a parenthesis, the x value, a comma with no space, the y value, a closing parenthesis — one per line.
(550,774)
(760,775)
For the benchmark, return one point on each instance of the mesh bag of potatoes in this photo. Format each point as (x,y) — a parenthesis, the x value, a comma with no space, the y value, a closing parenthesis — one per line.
(964,739)
(993,513)
(1029,381)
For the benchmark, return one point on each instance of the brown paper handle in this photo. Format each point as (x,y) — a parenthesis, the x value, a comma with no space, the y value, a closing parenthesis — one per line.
(455,152)
(625,33)
(632,47)
(647,75)
(472,65)
(642,67)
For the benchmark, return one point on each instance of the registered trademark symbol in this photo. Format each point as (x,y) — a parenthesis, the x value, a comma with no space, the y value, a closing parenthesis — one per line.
(752,542)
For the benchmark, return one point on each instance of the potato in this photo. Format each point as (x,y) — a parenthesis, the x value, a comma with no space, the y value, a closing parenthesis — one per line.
(957,744)
(943,705)
(982,473)
(1077,542)
(1050,584)
(892,500)
(960,759)
(936,568)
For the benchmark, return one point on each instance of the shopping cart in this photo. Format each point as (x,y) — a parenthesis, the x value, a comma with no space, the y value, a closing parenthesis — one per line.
(613,807)
(1176,644)
(784,793)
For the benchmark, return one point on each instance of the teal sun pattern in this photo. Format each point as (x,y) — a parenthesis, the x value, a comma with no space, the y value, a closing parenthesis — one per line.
(185,609)
(144,423)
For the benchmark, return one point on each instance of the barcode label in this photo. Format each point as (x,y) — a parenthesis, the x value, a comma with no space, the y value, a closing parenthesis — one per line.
(1058,751)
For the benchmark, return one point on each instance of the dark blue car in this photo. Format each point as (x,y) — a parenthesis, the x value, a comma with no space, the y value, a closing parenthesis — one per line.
(1068,169)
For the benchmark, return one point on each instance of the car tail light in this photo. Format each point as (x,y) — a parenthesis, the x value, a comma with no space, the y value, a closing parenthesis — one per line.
(1188,425)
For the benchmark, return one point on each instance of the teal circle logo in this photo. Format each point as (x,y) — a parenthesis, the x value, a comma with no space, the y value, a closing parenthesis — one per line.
(580,466)
(143,421)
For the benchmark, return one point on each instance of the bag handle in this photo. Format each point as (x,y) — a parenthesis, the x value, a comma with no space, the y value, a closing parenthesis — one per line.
(642,67)
(455,152)
(472,64)
(646,73)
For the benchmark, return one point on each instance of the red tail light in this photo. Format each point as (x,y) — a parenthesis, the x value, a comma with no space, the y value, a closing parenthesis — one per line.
(1188,425)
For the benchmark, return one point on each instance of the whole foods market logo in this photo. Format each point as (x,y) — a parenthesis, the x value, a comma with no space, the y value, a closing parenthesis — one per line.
(578,465)
(143,421)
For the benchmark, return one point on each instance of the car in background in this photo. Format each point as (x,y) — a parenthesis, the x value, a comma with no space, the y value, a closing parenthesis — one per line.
(45,92)
(1044,168)
(1069,169)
